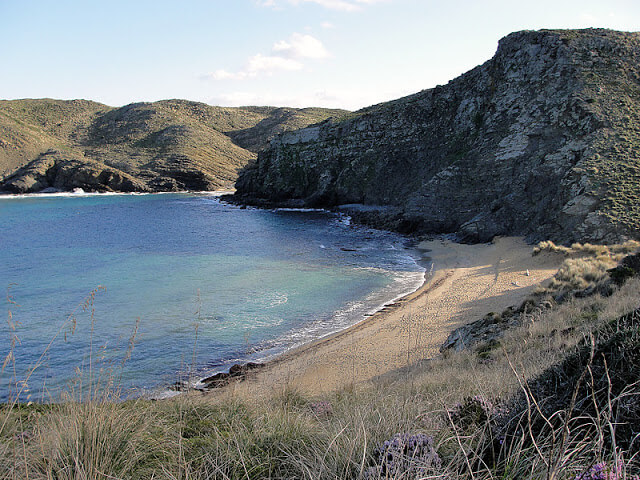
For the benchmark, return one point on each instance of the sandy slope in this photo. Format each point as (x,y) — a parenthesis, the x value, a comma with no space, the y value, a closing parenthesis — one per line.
(467,281)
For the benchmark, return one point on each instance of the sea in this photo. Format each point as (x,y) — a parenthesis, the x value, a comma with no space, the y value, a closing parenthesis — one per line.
(133,293)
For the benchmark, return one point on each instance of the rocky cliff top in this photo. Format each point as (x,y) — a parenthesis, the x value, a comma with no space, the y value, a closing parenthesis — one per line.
(540,140)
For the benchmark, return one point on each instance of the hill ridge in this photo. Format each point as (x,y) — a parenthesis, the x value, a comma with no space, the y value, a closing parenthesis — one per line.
(166,145)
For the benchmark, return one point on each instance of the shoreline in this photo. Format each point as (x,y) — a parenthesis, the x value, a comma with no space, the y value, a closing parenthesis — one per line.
(467,281)
(82,193)
(366,311)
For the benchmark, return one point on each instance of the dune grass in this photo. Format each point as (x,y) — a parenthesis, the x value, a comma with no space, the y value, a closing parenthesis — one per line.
(463,415)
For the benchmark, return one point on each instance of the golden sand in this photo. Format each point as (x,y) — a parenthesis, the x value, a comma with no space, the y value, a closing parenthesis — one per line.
(466,282)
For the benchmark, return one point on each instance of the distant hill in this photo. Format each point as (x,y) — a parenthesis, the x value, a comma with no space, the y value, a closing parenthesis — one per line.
(541,140)
(162,146)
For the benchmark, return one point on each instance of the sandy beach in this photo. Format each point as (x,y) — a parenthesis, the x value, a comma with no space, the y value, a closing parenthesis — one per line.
(465,283)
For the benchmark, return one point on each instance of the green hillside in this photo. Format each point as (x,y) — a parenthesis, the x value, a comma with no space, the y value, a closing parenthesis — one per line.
(166,146)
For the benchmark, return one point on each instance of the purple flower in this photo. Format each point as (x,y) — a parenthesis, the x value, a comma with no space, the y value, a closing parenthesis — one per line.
(405,453)
(604,471)
(321,409)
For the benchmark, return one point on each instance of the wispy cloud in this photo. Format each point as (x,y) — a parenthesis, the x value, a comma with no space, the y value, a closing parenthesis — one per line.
(342,5)
(240,98)
(257,65)
(286,55)
(301,46)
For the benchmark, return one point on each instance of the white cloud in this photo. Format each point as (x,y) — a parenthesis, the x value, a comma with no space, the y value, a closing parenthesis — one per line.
(342,5)
(301,46)
(269,64)
(350,98)
(241,98)
(327,25)
(287,55)
(224,75)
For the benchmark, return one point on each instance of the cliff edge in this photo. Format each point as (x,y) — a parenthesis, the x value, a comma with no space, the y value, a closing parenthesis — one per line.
(542,140)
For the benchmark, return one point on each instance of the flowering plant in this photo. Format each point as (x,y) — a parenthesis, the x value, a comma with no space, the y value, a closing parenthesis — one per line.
(405,453)
(604,471)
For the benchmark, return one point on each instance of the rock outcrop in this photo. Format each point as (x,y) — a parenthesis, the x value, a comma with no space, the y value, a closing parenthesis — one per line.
(541,140)
(54,170)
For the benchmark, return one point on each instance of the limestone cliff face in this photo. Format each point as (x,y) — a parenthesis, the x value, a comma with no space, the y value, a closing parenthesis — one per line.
(541,140)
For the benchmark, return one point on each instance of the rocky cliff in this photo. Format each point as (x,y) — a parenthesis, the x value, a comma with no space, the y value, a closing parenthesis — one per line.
(542,140)
(162,146)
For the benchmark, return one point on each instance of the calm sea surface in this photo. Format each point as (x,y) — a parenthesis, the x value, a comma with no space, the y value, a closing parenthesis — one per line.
(207,285)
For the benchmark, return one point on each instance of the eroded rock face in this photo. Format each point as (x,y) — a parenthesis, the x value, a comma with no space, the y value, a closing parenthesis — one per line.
(541,140)
(53,170)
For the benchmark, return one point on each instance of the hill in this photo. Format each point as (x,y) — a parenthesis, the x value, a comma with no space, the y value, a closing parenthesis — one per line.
(540,140)
(162,146)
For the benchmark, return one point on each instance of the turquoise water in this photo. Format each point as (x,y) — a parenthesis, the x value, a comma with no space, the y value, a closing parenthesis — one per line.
(207,284)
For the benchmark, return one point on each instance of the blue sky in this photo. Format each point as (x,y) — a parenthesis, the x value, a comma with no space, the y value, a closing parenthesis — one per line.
(331,53)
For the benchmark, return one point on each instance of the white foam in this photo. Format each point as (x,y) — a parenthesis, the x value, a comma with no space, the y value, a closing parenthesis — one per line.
(80,193)
(162,395)
(277,299)
(404,283)
(291,209)
(354,312)
(76,193)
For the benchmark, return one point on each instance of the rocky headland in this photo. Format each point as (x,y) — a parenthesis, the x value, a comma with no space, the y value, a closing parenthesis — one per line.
(542,140)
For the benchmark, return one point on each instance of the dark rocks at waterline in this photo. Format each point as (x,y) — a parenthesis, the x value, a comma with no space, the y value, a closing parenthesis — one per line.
(236,372)
(55,171)
(64,171)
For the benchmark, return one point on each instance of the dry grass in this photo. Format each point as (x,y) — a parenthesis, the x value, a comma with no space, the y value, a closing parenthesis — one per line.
(585,269)
(588,249)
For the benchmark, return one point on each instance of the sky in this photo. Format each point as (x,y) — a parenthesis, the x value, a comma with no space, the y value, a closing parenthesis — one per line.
(298,53)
